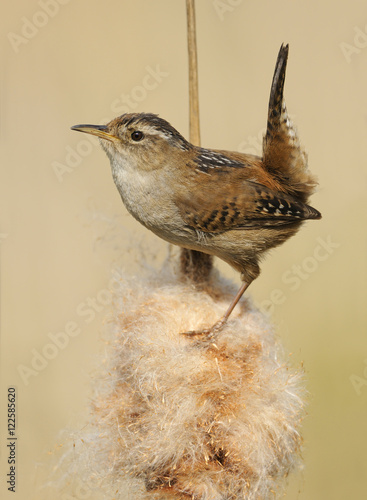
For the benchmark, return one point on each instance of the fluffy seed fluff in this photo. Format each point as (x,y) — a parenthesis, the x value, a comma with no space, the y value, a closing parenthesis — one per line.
(177,417)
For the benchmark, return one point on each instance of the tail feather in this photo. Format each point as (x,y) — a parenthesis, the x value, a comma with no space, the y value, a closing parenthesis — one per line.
(275,115)
(312,213)
(283,155)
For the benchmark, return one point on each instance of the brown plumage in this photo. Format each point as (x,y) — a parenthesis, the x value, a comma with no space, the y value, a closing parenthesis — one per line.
(231,205)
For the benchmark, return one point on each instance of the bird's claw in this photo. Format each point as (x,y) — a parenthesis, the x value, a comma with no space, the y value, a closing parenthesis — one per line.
(207,332)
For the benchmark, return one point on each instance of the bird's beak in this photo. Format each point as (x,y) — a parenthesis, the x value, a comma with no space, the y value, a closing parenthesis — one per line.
(98,130)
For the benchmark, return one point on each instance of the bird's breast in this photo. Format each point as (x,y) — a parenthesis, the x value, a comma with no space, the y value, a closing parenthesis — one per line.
(148,198)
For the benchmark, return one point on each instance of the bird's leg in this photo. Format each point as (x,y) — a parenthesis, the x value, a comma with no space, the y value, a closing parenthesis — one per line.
(222,321)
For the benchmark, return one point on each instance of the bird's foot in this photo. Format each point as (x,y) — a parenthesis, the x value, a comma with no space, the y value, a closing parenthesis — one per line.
(208,332)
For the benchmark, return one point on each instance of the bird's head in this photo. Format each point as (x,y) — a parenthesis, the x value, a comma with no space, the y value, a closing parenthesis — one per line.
(142,139)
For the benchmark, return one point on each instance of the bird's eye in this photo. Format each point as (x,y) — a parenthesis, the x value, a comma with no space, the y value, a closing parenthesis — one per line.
(137,136)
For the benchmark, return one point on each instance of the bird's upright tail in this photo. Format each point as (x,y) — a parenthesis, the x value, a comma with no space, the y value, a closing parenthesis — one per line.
(283,155)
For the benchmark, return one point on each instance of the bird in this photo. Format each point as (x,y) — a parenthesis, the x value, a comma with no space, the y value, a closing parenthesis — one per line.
(228,204)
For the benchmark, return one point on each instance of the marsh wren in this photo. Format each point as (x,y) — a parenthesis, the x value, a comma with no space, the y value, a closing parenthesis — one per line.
(231,205)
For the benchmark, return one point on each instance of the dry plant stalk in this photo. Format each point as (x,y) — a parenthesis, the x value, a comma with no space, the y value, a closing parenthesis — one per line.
(193,74)
(196,266)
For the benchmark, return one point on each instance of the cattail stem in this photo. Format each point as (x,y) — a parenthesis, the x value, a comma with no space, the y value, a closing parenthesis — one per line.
(193,74)
(194,265)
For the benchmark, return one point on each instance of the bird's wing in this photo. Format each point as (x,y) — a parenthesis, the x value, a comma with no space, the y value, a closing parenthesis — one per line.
(219,207)
(283,155)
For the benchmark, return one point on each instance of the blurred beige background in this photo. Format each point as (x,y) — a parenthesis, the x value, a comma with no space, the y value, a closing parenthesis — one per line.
(63,226)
